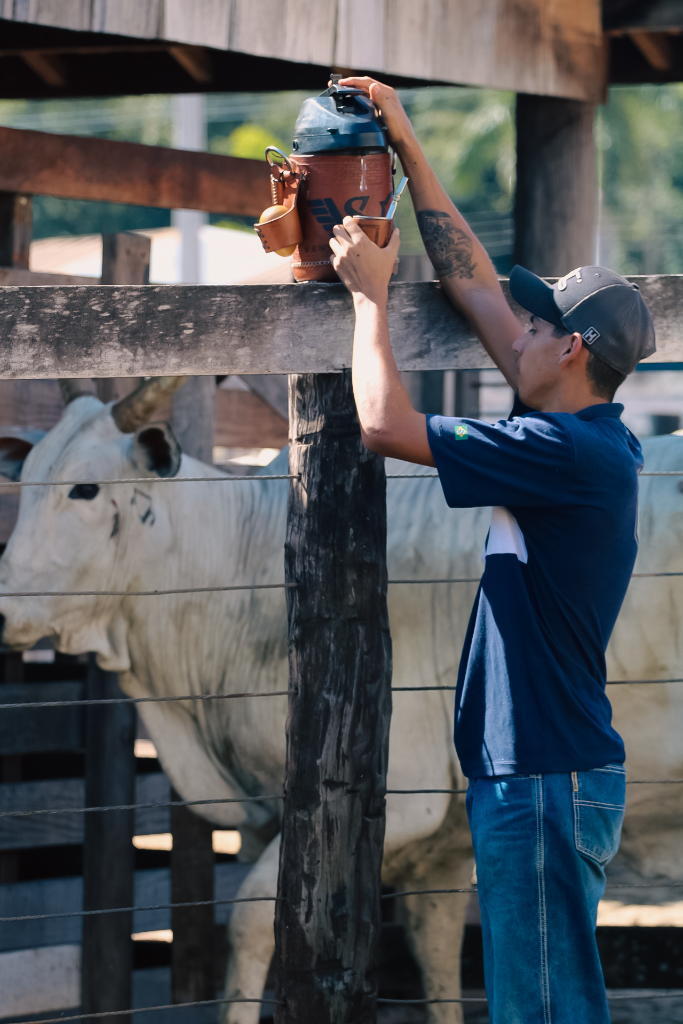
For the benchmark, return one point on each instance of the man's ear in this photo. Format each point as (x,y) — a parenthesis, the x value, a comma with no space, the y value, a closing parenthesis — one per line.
(156,450)
(573,347)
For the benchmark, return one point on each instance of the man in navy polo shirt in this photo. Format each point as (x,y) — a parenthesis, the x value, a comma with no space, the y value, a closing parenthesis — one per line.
(533,723)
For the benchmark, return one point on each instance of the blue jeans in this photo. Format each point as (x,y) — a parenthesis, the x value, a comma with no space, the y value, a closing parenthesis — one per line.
(541,843)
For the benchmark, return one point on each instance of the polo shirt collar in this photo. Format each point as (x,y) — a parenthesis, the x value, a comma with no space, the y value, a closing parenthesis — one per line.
(593,412)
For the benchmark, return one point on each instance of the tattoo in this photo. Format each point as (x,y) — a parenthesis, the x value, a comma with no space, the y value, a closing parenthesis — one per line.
(449,248)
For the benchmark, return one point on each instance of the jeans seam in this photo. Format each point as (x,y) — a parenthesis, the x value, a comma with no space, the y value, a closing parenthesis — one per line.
(542,912)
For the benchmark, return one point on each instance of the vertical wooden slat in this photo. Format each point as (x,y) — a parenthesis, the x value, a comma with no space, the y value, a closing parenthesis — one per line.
(108,855)
(556,199)
(192,859)
(328,915)
(125,258)
(192,879)
(16,226)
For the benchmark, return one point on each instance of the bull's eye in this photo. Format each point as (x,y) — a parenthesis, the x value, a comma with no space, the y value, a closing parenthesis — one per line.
(84,492)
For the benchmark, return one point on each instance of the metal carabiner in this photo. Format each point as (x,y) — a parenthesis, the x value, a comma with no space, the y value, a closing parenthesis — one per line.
(276,166)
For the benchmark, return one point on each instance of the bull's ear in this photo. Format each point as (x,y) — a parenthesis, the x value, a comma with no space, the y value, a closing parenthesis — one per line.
(14,449)
(156,450)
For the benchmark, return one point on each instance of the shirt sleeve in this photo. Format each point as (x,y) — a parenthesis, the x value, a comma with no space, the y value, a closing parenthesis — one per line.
(527,460)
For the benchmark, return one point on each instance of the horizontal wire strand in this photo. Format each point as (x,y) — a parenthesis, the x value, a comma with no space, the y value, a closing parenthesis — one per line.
(141,700)
(146,806)
(272,693)
(147,593)
(279,899)
(257,799)
(650,994)
(130,910)
(253,586)
(151,480)
(259,478)
(150,1009)
(610,886)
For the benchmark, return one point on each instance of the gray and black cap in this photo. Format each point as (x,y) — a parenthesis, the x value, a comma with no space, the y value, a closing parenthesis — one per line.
(605,309)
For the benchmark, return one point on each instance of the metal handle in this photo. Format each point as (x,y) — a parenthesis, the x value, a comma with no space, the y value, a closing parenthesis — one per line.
(272,163)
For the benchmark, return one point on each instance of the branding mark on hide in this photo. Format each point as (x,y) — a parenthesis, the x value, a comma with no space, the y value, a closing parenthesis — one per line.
(143,503)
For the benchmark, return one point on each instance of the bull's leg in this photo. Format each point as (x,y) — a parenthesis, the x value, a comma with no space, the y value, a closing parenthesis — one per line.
(435,927)
(251,940)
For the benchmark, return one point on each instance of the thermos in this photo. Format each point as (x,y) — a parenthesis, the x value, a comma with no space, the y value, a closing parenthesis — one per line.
(339,166)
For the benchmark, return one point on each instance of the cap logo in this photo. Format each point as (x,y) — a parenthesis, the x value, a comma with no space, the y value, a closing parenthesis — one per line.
(562,283)
(590,335)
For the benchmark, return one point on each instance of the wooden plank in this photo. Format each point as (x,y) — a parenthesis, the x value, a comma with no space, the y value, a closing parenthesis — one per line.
(192,880)
(202,23)
(108,852)
(68,829)
(543,47)
(74,167)
(195,330)
(327,920)
(41,730)
(71,14)
(140,18)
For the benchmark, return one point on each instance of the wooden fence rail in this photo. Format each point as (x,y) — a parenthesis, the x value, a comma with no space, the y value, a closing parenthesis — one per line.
(131,331)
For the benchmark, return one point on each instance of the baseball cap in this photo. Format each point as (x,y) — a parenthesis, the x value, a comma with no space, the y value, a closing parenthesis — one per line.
(607,311)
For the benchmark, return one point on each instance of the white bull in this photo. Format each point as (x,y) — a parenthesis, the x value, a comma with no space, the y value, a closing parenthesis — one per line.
(158,536)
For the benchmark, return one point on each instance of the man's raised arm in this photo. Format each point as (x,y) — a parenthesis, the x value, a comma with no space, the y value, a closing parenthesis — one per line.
(460,260)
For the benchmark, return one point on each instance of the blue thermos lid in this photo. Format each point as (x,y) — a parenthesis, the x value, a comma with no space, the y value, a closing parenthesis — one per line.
(338,119)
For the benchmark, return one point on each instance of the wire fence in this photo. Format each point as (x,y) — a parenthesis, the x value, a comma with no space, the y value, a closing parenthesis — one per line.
(278,796)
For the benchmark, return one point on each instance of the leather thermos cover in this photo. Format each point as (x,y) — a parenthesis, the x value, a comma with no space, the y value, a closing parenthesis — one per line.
(336,185)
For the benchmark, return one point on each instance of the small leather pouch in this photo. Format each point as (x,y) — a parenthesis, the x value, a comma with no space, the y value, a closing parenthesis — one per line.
(285,230)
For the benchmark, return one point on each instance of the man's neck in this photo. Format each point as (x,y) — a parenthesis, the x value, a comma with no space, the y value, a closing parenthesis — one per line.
(568,400)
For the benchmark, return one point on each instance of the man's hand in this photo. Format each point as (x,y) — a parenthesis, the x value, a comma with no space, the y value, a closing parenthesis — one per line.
(390,107)
(364,268)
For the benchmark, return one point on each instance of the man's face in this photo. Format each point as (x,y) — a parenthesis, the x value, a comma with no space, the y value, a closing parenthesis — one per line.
(539,360)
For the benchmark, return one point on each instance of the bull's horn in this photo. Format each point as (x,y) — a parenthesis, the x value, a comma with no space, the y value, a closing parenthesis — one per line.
(135,409)
(76,387)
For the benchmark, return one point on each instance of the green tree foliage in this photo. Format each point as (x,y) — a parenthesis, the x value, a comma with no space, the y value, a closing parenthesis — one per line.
(639,135)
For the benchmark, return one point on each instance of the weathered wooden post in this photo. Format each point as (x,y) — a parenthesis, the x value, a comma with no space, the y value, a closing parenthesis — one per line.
(556,198)
(108,854)
(327,920)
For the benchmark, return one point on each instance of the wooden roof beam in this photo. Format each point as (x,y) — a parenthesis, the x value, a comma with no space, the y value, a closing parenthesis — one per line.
(196,60)
(50,67)
(655,47)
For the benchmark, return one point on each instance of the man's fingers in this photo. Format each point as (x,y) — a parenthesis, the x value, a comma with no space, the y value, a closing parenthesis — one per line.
(394,242)
(339,231)
(336,246)
(363,83)
(353,230)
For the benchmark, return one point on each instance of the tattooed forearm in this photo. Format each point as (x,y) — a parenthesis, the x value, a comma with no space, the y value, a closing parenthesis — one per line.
(449,248)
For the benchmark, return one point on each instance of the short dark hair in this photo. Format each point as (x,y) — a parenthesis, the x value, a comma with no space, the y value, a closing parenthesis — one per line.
(603,379)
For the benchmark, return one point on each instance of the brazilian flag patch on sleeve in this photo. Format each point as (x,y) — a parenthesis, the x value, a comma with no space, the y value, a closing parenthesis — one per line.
(461,432)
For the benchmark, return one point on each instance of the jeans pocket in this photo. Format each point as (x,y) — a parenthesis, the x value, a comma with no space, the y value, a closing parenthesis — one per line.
(599,797)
